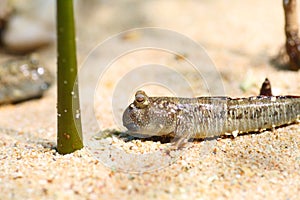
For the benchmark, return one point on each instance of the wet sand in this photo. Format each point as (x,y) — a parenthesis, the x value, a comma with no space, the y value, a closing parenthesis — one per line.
(240,37)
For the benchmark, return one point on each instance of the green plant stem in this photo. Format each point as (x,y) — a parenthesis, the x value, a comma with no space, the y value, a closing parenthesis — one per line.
(69,131)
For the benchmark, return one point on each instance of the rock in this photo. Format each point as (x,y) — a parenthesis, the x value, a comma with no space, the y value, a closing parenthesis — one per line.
(31,26)
(5,11)
(23,35)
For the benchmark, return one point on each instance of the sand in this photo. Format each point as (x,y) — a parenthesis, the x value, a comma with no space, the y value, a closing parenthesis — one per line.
(240,37)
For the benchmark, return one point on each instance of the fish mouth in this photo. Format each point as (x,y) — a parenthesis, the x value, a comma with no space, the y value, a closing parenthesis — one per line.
(132,127)
(136,131)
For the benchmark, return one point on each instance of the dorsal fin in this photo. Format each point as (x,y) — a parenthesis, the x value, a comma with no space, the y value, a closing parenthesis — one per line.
(266,89)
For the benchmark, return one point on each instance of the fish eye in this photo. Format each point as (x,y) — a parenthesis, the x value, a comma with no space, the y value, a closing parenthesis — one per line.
(141,99)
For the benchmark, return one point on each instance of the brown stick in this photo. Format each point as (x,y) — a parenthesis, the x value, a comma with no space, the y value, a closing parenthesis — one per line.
(292,44)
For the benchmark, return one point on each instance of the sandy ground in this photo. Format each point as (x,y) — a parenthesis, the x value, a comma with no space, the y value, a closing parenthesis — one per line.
(240,37)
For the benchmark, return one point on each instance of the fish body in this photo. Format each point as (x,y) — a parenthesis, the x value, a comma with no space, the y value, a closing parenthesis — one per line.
(204,117)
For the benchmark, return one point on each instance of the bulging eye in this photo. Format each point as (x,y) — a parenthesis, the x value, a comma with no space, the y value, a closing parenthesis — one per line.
(141,99)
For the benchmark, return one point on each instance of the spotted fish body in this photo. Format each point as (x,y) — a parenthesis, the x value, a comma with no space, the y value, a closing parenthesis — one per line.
(214,116)
(23,79)
(208,116)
